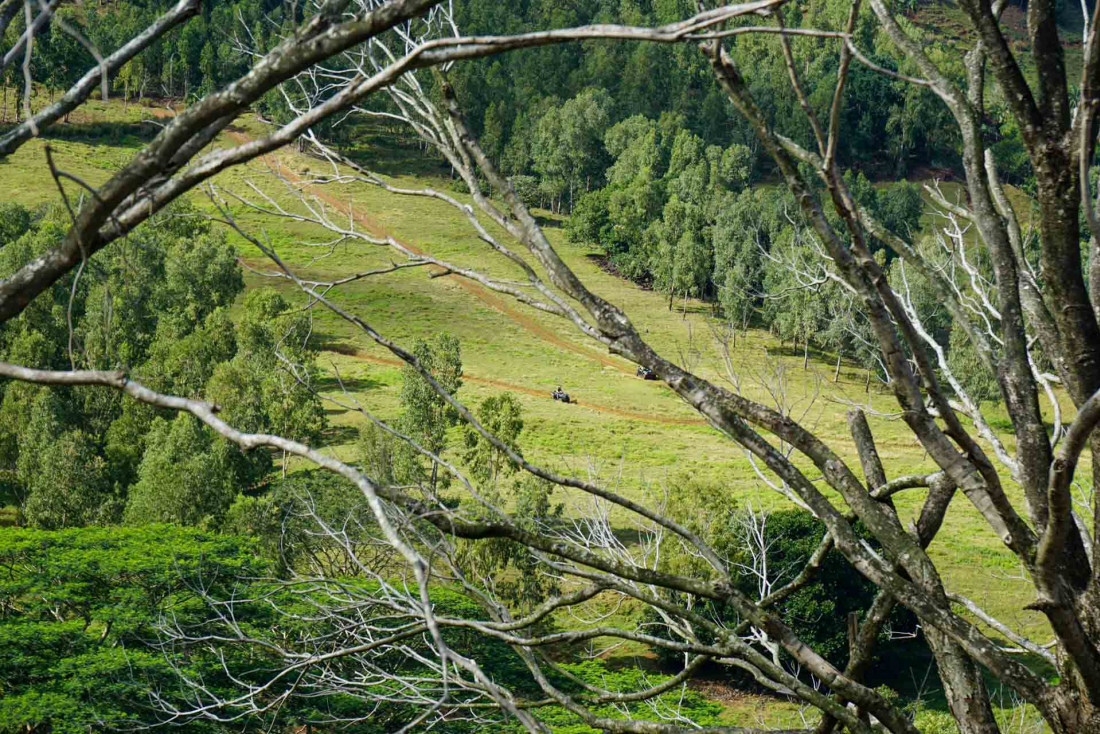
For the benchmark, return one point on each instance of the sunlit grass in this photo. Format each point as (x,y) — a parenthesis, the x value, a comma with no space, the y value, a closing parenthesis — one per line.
(635,435)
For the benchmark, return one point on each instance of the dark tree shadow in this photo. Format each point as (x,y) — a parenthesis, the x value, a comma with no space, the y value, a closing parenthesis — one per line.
(113,134)
(340,435)
(330,383)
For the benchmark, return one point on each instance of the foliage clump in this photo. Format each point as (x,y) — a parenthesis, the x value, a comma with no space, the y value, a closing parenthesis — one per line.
(156,306)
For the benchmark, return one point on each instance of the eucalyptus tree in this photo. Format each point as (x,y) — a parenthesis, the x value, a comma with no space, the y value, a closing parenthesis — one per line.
(568,142)
(1025,321)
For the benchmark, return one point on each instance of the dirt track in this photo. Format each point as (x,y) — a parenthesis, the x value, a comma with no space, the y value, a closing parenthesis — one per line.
(633,415)
(495,302)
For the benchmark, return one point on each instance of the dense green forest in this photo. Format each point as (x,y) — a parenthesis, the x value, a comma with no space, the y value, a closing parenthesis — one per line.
(160,306)
(545,113)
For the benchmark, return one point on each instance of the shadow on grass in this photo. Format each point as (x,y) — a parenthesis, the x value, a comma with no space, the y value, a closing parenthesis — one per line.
(548,222)
(606,264)
(386,149)
(908,668)
(351,384)
(341,435)
(114,134)
(326,343)
(783,350)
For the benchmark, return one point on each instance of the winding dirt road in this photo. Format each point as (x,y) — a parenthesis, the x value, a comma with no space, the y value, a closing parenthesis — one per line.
(483,294)
(490,299)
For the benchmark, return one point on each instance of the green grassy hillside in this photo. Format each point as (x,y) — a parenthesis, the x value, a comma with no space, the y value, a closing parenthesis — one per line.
(634,434)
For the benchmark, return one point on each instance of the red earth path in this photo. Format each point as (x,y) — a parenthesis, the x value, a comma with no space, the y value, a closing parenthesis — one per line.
(490,299)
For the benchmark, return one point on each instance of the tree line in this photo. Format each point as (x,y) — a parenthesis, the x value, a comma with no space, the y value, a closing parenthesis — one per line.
(692,221)
(158,305)
(202,55)
(538,113)
(542,114)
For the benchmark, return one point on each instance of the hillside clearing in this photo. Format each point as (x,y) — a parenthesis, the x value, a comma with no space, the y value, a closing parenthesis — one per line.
(633,434)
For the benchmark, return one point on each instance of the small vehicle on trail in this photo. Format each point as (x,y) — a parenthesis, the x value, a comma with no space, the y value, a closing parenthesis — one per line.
(645,373)
(561,396)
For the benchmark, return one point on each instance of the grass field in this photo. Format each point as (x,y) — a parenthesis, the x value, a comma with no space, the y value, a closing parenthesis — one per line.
(634,434)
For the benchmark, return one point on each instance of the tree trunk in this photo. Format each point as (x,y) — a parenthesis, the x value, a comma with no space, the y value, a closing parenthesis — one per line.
(836,374)
(806,354)
(1071,714)
(963,686)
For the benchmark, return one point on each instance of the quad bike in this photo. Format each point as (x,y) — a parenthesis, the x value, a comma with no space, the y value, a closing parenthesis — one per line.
(561,396)
(645,373)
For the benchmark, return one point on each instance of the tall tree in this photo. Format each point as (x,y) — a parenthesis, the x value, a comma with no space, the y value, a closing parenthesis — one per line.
(185,476)
(426,415)
(568,142)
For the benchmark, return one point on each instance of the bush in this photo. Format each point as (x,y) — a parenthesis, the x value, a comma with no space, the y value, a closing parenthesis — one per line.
(935,722)
(679,701)
(527,189)
(460,186)
(818,612)
(589,220)
(80,606)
